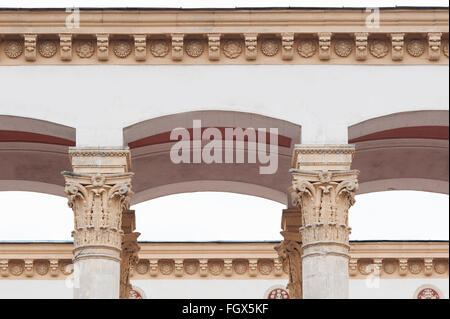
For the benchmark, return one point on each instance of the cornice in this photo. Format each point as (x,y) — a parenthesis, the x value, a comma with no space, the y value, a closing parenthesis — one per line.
(275,36)
(229,261)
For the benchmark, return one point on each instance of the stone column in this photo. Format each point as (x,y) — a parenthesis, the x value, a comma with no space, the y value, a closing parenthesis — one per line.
(325,187)
(290,250)
(129,254)
(99,191)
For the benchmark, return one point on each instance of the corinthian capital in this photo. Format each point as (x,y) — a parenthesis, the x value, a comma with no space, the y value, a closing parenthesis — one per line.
(324,198)
(98,201)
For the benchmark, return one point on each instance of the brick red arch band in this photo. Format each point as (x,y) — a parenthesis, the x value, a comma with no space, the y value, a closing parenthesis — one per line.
(426,132)
(19,136)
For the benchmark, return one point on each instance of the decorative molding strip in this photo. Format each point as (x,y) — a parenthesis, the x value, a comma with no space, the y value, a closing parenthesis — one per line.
(403,36)
(229,261)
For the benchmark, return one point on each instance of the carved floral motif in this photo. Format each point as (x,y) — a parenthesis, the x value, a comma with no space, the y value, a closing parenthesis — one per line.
(194,48)
(441,266)
(415,267)
(159,48)
(379,48)
(215,267)
(16,268)
(42,267)
(142,267)
(343,48)
(191,267)
(265,267)
(122,49)
(85,49)
(240,267)
(47,48)
(270,47)
(307,48)
(14,49)
(166,267)
(416,47)
(232,48)
(390,267)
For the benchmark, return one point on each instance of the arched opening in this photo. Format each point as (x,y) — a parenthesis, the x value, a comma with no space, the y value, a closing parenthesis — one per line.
(403,151)
(32,154)
(156,175)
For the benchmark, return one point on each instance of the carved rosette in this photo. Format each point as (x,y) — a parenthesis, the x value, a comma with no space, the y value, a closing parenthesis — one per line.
(159,48)
(306,48)
(47,48)
(379,48)
(85,49)
(232,48)
(324,198)
(290,253)
(194,48)
(343,48)
(416,47)
(270,47)
(14,49)
(122,49)
(98,202)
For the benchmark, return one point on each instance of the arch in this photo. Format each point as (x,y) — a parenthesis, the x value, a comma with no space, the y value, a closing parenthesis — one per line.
(403,151)
(156,175)
(33,153)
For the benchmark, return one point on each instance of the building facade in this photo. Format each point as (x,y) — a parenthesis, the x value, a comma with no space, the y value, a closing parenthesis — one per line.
(131,105)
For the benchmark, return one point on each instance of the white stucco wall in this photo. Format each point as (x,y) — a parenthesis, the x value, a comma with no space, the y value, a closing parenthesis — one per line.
(221,289)
(325,99)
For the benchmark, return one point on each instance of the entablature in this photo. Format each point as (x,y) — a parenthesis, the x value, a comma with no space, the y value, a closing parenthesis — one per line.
(272,36)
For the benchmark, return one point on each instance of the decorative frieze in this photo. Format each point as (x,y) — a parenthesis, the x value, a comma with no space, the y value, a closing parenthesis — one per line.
(311,48)
(235,268)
